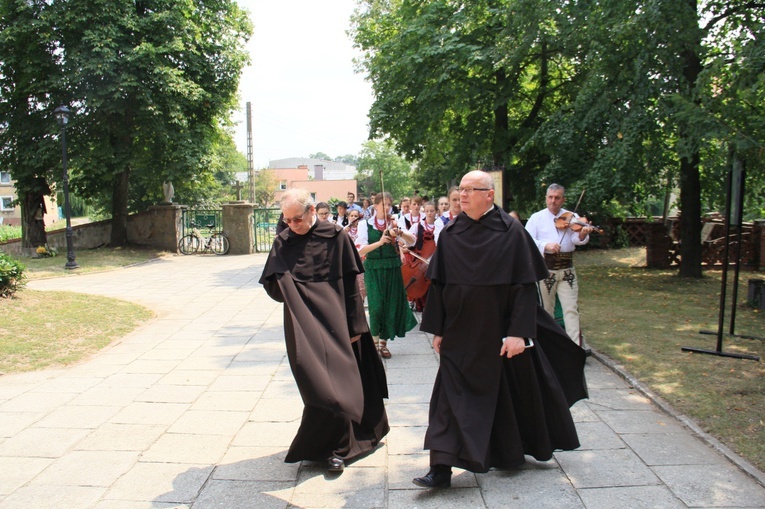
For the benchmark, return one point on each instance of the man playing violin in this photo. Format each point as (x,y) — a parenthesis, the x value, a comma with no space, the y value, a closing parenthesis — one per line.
(557,243)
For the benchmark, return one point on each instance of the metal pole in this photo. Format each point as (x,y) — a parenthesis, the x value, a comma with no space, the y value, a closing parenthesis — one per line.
(70,258)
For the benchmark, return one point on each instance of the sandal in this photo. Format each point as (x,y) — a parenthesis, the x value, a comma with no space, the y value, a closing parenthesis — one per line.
(384,352)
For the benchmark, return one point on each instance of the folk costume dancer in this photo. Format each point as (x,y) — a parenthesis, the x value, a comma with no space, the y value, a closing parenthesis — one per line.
(454,206)
(389,312)
(508,374)
(312,269)
(354,220)
(557,246)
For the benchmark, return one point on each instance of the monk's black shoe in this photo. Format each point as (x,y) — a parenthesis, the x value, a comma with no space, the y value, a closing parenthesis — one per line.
(434,479)
(335,464)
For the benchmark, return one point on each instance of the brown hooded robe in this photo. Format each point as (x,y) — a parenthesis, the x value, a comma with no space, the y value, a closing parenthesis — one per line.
(342,384)
(487,410)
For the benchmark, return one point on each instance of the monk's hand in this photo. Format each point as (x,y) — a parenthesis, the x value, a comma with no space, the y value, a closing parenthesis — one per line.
(511,346)
(437,343)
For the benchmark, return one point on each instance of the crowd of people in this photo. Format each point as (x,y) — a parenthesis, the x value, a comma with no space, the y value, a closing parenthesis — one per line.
(508,373)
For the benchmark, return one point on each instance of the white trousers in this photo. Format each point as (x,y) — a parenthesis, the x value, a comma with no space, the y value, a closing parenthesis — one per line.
(565,285)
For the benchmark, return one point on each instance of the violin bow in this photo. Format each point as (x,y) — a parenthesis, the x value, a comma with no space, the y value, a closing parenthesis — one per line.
(387,216)
(580,200)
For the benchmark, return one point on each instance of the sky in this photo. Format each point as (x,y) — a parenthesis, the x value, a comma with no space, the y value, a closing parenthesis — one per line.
(305,95)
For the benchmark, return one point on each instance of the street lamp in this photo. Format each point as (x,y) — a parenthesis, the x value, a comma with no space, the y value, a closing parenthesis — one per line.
(62,117)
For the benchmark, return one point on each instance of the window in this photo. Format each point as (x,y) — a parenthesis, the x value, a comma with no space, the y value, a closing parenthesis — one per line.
(5,177)
(283,185)
(6,202)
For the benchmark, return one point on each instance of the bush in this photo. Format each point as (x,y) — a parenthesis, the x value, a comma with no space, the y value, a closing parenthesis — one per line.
(12,275)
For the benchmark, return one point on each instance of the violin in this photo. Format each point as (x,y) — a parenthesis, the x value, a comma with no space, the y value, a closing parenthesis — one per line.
(569,220)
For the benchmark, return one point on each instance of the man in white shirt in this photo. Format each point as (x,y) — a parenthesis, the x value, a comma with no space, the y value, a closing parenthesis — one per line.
(557,245)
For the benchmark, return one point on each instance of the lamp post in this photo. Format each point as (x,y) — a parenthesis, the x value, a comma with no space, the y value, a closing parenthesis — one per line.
(62,117)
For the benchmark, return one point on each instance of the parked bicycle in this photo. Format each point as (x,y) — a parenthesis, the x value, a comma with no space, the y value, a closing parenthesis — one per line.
(196,242)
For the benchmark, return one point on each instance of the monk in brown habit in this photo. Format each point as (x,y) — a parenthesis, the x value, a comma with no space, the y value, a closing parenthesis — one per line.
(312,268)
(508,372)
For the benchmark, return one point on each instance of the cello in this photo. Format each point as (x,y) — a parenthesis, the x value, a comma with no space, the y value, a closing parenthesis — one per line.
(413,271)
(415,265)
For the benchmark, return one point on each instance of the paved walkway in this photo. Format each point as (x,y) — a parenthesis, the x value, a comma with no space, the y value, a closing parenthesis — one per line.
(197,407)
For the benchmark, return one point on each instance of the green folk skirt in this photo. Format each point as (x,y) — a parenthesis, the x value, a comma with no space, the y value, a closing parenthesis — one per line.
(389,313)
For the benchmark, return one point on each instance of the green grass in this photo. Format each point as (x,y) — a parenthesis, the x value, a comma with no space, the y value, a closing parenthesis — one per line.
(641,318)
(89,260)
(45,329)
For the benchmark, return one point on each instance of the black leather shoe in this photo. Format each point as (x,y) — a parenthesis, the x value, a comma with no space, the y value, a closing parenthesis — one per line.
(434,479)
(335,464)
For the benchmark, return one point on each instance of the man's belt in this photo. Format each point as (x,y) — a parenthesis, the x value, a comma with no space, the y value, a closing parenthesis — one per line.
(558,261)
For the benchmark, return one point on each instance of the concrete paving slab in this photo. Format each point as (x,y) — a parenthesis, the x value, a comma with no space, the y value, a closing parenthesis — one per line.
(672,449)
(207,422)
(356,487)
(122,437)
(597,435)
(242,401)
(256,464)
(12,423)
(52,497)
(77,416)
(16,472)
(245,495)
(605,468)
(633,497)
(711,486)
(87,468)
(41,442)
(160,482)
(454,497)
(140,412)
(537,485)
(188,448)
(277,410)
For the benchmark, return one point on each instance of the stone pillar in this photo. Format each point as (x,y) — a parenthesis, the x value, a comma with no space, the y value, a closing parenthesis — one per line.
(166,226)
(237,226)
(658,245)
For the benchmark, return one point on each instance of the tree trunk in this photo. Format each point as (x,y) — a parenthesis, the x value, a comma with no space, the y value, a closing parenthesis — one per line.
(500,141)
(690,184)
(33,226)
(120,209)
(690,217)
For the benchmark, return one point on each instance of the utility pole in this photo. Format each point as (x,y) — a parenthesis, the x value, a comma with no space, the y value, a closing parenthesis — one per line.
(250,163)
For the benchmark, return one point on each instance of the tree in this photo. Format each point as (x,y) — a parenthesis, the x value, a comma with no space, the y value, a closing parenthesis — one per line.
(379,156)
(151,83)
(654,103)
(320,155)
(626,99)
(463,85)
(265,187)
(30,78)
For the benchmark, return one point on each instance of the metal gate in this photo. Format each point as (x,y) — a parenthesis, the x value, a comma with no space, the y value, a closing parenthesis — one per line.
(206,220)
(264,222)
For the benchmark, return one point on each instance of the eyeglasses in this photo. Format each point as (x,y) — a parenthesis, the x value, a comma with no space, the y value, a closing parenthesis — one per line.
(296,220)
(469,190)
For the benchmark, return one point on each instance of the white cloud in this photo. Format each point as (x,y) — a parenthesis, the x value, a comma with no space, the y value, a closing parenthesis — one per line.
(305,95)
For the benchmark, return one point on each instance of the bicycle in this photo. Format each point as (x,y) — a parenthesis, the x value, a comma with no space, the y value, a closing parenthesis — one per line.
(194,241)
